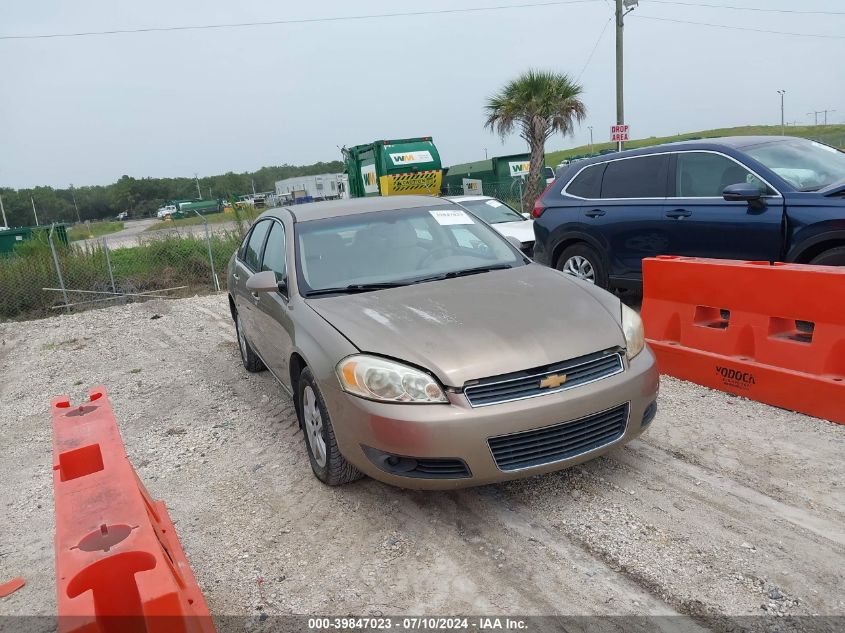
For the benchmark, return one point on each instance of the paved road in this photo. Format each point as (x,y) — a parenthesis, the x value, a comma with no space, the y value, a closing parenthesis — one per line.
(135,232)
(129,234)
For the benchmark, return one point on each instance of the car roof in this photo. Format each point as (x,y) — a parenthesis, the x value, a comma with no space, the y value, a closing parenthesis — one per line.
(337,208)
(713,144)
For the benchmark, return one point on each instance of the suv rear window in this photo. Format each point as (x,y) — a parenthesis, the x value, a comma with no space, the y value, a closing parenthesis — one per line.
(587,184)
(640,177)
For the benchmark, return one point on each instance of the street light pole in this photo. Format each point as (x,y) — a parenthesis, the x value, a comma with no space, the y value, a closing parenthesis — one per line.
(73,195)
(782,123)
(3,211)
(590,127)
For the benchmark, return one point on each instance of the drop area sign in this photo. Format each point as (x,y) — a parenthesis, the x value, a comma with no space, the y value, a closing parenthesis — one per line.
(618,133)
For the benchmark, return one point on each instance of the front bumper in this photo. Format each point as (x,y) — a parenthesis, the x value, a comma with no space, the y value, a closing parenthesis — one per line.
(457,431)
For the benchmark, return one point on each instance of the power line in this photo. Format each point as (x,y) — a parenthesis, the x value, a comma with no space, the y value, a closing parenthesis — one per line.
(374,16)
(740,8)
(740,28)
(592,52)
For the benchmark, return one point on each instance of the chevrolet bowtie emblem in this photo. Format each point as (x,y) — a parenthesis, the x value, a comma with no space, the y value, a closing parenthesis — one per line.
(553,382)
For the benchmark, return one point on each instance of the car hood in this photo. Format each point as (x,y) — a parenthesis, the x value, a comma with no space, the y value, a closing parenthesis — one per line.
(477,326)
(523,231)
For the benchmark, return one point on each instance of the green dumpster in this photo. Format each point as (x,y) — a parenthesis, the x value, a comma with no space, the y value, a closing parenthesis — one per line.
(10,238)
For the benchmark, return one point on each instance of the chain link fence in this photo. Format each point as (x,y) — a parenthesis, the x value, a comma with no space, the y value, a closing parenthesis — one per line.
(43,276)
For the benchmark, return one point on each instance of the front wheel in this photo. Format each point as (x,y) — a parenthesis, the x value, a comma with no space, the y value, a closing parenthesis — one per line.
(833,257)
(327,462)
(582,261)
(250,359)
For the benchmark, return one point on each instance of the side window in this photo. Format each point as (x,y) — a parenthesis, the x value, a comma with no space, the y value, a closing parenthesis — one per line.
(256,240)
(587,184)
(640,177)
(274,252)
(705,175)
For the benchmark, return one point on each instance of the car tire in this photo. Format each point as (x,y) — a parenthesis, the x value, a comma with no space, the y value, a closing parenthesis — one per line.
(250,359)
(582,261)
(327,462)
(833,257)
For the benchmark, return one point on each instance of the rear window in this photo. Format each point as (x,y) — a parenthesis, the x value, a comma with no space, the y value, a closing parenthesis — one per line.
(587,184)
(641,177)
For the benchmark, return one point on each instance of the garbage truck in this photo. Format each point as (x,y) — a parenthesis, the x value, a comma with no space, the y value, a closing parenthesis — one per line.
(393,167)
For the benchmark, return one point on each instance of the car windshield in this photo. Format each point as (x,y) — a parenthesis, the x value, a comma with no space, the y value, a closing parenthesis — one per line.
(369,251)
(804,164)
(492,211)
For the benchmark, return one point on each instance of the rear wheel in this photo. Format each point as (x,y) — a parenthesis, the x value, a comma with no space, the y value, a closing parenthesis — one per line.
(327,462)
(250,359)
(833,257)
(582,261)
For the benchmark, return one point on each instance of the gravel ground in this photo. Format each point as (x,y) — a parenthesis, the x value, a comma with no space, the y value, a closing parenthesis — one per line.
(726,507)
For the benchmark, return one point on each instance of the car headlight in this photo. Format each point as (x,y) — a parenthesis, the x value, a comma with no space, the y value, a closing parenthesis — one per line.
(388,381)
(632,328)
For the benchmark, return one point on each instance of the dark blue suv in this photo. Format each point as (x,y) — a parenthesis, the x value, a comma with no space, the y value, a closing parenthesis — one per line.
(752,198)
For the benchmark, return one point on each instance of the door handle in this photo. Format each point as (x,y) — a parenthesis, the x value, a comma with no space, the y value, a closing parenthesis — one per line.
(677,214)
(236,276)
(595,213)
(255,296)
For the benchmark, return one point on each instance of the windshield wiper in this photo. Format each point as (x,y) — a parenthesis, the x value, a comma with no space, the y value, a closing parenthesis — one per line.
(463,273)
(352,288)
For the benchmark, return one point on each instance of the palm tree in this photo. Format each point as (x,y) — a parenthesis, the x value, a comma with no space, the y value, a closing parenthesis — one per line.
(538,104)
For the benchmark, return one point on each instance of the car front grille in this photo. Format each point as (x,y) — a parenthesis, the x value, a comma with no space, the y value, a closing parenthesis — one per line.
(527,384)
(560,441)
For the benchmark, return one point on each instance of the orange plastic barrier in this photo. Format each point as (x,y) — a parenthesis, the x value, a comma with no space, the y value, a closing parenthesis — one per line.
(119,564)
(770,332)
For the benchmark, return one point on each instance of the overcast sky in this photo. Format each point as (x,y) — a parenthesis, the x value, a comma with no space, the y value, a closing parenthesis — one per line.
(87,110)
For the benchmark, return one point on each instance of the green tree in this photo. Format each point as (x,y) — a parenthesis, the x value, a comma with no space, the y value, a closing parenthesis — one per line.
(537,104)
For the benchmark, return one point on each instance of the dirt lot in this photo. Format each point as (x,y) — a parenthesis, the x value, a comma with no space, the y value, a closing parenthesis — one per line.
(725,507)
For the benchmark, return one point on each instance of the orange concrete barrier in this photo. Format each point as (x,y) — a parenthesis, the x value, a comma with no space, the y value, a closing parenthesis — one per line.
(770,332)
(119,564)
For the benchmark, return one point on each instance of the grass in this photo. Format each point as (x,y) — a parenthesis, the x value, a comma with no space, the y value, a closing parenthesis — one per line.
(88,230)
(156,265)
(211,218)
(830,134)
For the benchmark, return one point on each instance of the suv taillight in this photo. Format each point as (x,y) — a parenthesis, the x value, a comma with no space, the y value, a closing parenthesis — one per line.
(539,205)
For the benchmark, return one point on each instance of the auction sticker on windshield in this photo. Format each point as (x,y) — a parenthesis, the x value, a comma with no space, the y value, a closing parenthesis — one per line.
(449,216)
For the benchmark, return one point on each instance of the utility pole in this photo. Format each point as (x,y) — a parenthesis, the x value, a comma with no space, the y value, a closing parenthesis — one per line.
(34,212)
(3,211)
(199,193)
(817,113)
(73,195)
(485,153)
(590,127)
(623,8)
(782,123)
(253,188)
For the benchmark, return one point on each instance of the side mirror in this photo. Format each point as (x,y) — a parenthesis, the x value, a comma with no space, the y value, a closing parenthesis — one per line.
(742,192)
(514,242)
(527,216)
(265,281)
